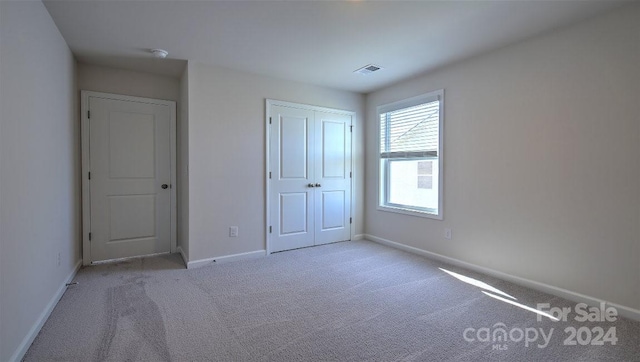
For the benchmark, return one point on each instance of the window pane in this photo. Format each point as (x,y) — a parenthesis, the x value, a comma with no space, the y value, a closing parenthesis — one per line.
(404,185)
(410,129)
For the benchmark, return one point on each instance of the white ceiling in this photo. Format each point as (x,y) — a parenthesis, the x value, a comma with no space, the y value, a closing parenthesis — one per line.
(316,42)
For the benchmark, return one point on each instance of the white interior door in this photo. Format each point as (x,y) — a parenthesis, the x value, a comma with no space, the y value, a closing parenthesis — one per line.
(332,177)
(310,184)
(292,193)
(130,181)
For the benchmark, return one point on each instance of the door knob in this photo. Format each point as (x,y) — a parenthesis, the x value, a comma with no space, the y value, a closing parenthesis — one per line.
(310,185)
(164,186)
(318,185)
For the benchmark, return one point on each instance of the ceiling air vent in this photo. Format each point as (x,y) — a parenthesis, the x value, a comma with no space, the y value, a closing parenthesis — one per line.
(368,69)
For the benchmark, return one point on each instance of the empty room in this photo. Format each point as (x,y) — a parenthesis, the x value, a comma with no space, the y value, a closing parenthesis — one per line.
(319,180)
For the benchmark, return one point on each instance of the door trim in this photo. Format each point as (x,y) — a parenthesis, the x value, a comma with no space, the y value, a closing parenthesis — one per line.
(86,200)
(270,103)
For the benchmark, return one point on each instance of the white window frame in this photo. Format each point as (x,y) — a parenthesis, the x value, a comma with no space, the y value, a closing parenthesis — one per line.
(383,181)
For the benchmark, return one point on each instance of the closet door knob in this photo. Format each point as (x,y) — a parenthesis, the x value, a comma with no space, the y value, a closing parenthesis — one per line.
(310,185)
(318,185)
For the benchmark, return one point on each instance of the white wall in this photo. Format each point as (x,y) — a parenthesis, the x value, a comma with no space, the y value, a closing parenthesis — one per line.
(127,82)
(183,164)
(227,155)
(542,142)
(39,171)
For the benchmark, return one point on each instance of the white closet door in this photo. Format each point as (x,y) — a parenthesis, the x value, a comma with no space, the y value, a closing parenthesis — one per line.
(310,185)
(332,177)
(292,194)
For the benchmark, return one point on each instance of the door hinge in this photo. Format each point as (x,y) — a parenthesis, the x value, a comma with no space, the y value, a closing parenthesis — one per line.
(350,174)
(270,229)
(89,175)
(351,128)
(269,174)
(269,120)
(89,114)
(350,220)
(89,236)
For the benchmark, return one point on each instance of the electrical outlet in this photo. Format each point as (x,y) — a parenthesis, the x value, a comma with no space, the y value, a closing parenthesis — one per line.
(233,231)
(447,234)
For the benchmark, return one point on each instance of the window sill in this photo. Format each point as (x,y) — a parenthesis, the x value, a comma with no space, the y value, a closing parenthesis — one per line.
(412,212)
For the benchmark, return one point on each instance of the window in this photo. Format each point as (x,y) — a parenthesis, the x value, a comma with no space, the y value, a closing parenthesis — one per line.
(411,155)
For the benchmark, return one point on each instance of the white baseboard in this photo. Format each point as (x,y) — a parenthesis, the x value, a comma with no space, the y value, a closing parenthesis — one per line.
(35,329)
(358,237)
(623,311)
(227,258)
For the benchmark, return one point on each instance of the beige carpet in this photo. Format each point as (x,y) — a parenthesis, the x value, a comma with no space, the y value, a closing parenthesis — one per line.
(352,301)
